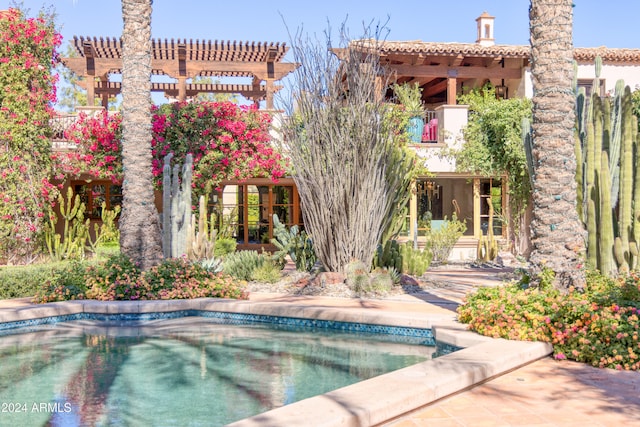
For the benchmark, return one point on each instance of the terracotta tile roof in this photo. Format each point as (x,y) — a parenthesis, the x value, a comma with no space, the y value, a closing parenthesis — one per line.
(452,49)
(588,54)
(581,54)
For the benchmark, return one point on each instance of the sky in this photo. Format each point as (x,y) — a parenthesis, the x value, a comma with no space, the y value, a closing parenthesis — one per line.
(596,22)
(611,23)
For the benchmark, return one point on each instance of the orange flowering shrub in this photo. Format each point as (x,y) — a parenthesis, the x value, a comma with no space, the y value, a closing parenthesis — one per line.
(119,278)
(599,326)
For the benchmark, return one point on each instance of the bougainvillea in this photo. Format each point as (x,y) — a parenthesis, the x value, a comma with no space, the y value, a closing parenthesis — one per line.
(27,54)
(98,152)
(227,141)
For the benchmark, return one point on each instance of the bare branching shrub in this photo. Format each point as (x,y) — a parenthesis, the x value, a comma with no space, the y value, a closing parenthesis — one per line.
(350,170)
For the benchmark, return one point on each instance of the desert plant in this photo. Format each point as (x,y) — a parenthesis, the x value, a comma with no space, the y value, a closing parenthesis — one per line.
(388,255)
(440,242)
(268,272)
(380,281)
(415,262)
(410,96)
(348,169)
(394,274)
(72,242)
(213,265)
(242,264)
(201,234)
(356,275)
(176,202)
(608,181)
(295,243)
(107,233)
(402,258)
(225,246)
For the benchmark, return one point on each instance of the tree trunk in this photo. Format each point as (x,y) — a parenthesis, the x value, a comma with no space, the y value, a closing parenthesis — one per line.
(139,224)
(557,234)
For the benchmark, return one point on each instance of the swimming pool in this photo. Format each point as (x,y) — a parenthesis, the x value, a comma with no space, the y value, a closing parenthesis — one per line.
(369,402)
(181,369)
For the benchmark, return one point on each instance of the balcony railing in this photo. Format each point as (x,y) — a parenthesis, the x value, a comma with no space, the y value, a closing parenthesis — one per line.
(60,124)
(430,132)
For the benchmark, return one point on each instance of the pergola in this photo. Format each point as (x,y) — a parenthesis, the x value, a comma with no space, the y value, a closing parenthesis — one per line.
(98,59)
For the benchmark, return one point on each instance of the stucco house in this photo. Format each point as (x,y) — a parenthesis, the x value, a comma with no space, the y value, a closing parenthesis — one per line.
(442,71)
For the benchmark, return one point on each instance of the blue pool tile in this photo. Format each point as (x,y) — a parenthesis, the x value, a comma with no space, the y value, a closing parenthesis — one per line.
(421,336)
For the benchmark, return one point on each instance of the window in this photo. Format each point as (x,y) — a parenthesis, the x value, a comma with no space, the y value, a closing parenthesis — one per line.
(491,193)
(587,84)
(247,210)
(96,193)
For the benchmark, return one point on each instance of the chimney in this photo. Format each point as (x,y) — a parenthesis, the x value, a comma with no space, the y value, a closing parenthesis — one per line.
(485,29)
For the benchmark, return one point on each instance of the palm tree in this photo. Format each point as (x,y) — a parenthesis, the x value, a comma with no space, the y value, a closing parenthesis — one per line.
(139,224)
(557,235)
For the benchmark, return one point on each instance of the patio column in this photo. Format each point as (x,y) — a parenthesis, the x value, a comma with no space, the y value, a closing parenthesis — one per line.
(413,211)
(477,230)
(451,90)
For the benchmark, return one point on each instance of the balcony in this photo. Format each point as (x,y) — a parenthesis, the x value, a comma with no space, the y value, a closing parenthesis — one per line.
(443,130)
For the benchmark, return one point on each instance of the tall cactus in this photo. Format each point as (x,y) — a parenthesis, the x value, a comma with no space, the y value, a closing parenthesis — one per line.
(177,207)
(634,247)
(602,243)
(609,178)
(166,206)
(201,234)
(615,142)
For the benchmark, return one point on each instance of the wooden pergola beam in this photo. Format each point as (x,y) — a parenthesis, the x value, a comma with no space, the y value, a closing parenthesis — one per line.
(192,89)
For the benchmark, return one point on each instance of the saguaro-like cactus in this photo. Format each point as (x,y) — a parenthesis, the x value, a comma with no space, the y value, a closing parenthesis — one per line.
(177,206)
(609,177)
(201,234)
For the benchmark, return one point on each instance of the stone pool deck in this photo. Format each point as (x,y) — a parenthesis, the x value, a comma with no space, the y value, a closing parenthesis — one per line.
(489,383)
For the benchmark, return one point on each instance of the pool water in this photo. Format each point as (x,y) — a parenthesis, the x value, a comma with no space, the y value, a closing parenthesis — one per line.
(179,372)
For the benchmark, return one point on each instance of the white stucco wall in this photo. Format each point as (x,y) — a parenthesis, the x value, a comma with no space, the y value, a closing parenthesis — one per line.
(610,74)
(452,119)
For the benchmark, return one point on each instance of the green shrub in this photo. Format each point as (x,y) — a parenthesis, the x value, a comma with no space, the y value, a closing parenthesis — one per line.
(268,272)
(598,326)
(26,280)
(225,246)
(241,265)
(106,250)
(178,279)
(118,278)
(440,242)
(68,283)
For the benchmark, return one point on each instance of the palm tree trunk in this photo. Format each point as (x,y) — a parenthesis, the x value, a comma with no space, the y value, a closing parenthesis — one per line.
(139,225)
(557,234)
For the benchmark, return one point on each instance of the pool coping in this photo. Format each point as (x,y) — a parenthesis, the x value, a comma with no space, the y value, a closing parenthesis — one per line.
(367,403)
